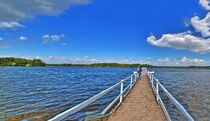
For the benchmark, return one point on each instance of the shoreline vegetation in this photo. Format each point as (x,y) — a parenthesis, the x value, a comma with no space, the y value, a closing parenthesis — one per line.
(103,65)
(11,61)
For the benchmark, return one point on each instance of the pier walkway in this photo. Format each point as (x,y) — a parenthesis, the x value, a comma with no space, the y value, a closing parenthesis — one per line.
(138,101)
(140,104)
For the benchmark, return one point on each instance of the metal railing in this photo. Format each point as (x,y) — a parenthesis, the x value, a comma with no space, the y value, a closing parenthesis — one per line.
(123,92)
(157,87)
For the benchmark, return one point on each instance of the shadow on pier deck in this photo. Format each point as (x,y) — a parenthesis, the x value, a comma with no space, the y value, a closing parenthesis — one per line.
(140,104)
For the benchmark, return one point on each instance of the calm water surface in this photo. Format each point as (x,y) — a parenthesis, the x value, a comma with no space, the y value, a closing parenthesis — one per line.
(191,87)
(32,93)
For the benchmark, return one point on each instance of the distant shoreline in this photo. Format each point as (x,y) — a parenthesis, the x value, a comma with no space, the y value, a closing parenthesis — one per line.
(124,65)
(178,67)
(72,65)
(117,65)
(184,67)
(10,61)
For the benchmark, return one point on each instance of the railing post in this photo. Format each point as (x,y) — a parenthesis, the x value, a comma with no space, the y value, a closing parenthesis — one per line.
(149,74)
(152,81)
(157,91)
(131,83)
(121,91)
(135,75)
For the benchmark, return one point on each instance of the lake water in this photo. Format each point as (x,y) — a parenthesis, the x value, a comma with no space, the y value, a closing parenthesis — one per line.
(38,93)
(191,87)
(33,93)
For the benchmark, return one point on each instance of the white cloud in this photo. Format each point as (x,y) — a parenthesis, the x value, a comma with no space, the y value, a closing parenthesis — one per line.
(157,62)
(51,38)
(160,61)
(182,41)
(88,60)
(11,24)
(22,38)
(16,10)
(55,38)
(176,62)
(186,40)
(202,25)
(74,60)
(188,61)
(205,4)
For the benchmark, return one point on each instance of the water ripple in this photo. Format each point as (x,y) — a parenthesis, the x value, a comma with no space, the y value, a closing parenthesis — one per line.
(191,87)
(38,93)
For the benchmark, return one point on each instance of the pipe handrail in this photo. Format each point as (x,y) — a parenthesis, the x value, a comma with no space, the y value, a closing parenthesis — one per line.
(172,99)
(84,104)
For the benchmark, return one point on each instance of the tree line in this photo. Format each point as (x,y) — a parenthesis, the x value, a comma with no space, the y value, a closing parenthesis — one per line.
(104,65)
(10,61)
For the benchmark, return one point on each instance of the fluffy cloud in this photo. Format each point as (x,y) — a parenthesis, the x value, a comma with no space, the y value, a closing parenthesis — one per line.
(182,41)
(205,4)
(88,60)
(22,38)
(202,25)
(51,38)
(186,40)
(188,61)
(11,24)
(157,62)
(14,11)
(76,60)
(176,62)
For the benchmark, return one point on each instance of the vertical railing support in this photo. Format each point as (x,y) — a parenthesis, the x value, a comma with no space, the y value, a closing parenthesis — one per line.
(157,91)
(121,91)
(135,75)
(131,83)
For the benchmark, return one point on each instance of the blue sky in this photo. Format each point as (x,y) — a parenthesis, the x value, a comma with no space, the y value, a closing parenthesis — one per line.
(172,32)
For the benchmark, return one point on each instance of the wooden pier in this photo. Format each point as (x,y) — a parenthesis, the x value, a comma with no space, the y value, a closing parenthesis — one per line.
(138,101)
(140,104)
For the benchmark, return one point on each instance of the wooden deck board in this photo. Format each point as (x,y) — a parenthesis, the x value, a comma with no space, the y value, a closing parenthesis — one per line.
(139,105)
